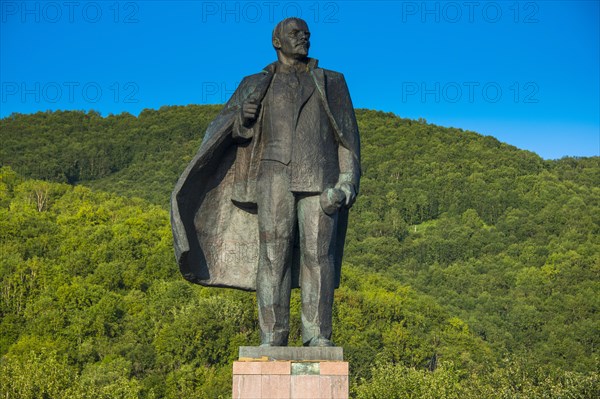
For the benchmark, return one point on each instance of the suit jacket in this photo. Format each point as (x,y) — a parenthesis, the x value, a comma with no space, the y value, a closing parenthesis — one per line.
(213,205)
(296,131)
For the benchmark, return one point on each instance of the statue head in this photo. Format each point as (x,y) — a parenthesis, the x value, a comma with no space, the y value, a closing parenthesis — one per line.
(291,39)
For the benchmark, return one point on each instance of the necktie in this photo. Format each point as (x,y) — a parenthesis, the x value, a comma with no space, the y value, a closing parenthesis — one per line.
(293,80)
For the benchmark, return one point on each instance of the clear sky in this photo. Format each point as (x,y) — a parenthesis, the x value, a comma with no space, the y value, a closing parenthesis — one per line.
(526,72)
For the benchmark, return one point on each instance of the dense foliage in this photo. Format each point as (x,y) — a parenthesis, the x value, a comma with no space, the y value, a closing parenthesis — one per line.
(471,268)
(140,156)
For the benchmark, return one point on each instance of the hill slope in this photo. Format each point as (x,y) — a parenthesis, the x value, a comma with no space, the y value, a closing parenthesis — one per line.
(502,243)
(90,289)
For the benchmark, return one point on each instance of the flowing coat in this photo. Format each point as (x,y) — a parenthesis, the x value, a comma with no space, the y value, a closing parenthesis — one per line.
(213,206)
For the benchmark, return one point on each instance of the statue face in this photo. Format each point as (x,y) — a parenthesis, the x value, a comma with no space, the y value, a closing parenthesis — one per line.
(294,40)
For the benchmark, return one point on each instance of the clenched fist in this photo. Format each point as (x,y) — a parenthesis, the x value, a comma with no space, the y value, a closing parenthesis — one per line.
(250,110)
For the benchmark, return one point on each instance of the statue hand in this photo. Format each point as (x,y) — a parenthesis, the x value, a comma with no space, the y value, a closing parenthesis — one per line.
(331,200)
(349,191)
(250,110)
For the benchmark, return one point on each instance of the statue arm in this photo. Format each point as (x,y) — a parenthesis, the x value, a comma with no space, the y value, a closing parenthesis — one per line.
(240,132)
(348,180)
(349,148)
(248,110)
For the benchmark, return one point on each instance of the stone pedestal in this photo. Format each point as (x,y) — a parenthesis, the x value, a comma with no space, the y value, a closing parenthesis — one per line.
(290,373)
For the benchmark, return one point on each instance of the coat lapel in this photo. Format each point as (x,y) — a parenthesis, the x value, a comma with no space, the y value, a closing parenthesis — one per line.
(306,92)
(319,79)
(263,83)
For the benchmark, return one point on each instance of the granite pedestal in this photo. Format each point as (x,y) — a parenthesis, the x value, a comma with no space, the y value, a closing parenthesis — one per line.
(290,373)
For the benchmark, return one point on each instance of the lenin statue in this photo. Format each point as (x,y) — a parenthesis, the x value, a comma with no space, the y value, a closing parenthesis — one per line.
(264,203)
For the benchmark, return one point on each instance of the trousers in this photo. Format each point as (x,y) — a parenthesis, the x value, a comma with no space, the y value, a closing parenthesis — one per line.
(281,215)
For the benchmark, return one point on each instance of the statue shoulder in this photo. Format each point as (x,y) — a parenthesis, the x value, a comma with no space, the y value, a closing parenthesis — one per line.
(254,77)
(333,75)
(335,80)
(247,86)
(251,80)
(255,83)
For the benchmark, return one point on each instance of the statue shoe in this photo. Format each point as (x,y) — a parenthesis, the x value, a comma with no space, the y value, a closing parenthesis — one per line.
(274,339)
(319,342)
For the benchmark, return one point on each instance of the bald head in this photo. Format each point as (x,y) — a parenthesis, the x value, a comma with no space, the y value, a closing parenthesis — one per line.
(291,39)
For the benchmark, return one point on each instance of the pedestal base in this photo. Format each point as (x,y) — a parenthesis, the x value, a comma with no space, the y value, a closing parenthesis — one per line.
(307,373)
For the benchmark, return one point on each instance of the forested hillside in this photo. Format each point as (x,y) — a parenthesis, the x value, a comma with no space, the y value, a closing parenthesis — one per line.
(471,268)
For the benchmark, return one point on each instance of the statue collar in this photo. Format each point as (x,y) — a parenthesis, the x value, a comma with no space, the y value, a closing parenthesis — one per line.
(272,67)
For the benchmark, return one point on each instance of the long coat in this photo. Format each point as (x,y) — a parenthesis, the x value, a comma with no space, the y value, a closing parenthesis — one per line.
(213,206)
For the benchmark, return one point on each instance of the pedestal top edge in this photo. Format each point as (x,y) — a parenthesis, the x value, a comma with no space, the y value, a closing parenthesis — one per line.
(297,353)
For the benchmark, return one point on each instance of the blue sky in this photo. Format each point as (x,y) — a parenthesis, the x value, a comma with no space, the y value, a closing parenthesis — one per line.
(526,72)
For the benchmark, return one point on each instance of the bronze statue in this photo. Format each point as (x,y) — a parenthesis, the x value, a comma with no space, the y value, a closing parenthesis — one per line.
(264,203)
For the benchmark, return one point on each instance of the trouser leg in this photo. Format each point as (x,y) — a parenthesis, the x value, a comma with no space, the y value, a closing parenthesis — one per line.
(276,221)
(317,270)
